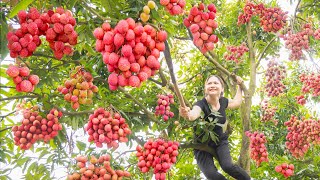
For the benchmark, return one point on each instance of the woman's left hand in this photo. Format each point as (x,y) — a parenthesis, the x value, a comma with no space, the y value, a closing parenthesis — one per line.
(239,80)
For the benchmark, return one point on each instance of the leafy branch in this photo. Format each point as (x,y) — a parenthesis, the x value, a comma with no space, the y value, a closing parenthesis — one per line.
(19,97)
(264,50)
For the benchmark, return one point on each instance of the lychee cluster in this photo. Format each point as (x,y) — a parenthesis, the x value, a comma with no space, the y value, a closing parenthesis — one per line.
(274,75)
(310,83)
(248,12)
(58,27)
(163,107)
(268,112)
(301,99)
(285,169)
(79,88)
(235,53)
(34,127)
(145,14)
(61,34)
(301,133)
(316,34)
(159,155)
(174,7)
(298,42)
(273,19)
(97,168)
(257,145)
(202,25)
(24,41)
(130,51)
(24,81)
(107,127)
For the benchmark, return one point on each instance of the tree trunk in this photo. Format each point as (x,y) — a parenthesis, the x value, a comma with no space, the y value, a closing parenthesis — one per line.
(244,159)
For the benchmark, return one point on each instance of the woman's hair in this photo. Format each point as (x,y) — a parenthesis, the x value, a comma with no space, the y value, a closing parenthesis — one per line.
(220,80)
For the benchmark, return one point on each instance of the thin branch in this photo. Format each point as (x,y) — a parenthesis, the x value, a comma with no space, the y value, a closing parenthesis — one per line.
(1,130)
(3,116)
(182,38)
(312,60)
(18,97)
(199,146)
(155,81)
(125,152)
(128,95)
(72,113)
(7,87)
(163,77)
(94,12)
(264,50)
(43,55)
(295,11)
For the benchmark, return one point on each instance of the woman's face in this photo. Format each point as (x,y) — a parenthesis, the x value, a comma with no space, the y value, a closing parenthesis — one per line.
(213,86)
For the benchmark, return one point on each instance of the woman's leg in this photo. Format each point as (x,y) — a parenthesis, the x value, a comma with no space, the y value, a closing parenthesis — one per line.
(206,165)
(226,163)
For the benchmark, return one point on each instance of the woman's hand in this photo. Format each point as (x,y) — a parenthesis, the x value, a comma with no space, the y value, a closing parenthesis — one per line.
(184,112)
(239,80)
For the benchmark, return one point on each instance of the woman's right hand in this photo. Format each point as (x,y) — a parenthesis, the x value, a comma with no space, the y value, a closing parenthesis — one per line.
(184,111)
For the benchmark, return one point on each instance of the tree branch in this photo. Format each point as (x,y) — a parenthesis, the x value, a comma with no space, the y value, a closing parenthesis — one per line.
(1,130)
(163,77)
(18,97)
(128,95)
(182,38)
(214,60)
(264,50)
(295,11)
(94,12)
(7,87)
(72,113)
(168,58)
(3,116)
(199,146)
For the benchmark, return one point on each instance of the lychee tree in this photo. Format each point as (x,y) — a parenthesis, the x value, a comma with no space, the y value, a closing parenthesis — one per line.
(70,47)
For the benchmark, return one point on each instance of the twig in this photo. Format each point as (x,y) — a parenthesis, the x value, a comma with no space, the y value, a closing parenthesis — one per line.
(124,153)
(128,95)
(264,50)
(7,87)
(1,130)
(94,12)
(183,38)
(295,11)
(199,146)
(18,97)
(3,116)
(163,77)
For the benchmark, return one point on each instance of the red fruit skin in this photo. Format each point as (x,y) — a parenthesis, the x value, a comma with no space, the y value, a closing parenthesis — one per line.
(26,86)
(134,81)
(12,71)
(34,79)
(24,71)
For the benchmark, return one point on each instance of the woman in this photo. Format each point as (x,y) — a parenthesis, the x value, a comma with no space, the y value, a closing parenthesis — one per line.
(215,102)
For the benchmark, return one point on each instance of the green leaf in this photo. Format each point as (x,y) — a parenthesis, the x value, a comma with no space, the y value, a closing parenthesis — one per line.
(205,137)
(22,5)
(81,145)
(22,161)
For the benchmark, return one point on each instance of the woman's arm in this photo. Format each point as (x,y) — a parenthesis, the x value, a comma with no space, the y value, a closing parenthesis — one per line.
(190,115)
(236,101)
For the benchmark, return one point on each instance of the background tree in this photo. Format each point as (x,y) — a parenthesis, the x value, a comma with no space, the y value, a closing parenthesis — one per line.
(191,67)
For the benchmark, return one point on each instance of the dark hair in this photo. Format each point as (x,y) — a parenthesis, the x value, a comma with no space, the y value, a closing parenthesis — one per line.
(219,78)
